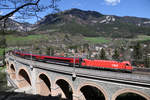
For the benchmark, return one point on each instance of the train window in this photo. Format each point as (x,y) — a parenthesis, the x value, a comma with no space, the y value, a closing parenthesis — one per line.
(80,60)
(127,64)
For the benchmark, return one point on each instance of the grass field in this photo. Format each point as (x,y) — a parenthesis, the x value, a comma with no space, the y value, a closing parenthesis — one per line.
(97,39)
(141,38)
(24,40)
(13,40)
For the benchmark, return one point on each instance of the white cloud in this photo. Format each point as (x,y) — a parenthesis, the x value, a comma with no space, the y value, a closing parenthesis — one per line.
(13,17)
(112,2)
(77,4)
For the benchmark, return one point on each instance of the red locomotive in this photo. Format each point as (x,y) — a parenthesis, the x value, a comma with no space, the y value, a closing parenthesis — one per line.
(108,64)
(103,64)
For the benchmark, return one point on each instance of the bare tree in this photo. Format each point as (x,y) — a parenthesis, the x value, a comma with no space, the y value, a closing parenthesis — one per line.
(25,8)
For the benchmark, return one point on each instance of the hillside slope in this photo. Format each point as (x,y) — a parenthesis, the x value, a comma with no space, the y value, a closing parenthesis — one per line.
(92,23)
(12,25)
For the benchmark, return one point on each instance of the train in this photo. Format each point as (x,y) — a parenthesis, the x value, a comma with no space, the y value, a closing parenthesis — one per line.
(124,66)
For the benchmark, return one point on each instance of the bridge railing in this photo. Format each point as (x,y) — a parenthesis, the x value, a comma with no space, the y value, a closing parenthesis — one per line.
(142,69)
(106,75)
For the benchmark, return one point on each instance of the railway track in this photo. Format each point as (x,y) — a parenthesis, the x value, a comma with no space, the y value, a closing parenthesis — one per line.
(138,74)
(141,72)
(136,70)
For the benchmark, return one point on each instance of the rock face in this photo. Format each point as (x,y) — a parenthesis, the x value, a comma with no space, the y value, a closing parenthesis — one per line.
(17,26)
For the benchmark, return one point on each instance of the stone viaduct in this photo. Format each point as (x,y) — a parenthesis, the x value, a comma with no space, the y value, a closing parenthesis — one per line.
(73,83)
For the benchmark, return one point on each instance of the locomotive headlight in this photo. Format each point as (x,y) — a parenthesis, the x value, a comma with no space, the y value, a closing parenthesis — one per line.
(115,65)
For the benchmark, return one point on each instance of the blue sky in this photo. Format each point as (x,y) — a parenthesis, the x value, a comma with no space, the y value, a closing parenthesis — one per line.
(138,8)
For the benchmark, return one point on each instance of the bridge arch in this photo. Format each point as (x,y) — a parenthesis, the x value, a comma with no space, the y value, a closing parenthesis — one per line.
(64,87)
(7,63)
(12,71)
(98,93)
(23,78)
(43,83)
(123,91)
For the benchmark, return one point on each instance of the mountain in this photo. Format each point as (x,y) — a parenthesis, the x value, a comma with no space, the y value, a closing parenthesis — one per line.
(92,23)
(12,25)
(86,23)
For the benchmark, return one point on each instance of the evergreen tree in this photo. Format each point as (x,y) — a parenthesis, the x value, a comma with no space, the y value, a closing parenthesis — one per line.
(52,52)
(4,63)
(116,55)
(147,62)
(103,54)
(40,52)
(48,51)
(3,42)
(89,54)
(137,54)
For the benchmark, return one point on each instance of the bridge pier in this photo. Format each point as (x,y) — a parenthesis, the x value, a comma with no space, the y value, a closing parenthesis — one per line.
(56,91)
(78,96)
(33,75)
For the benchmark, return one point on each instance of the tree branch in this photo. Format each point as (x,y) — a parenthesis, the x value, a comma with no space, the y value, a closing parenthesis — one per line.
(17,9)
